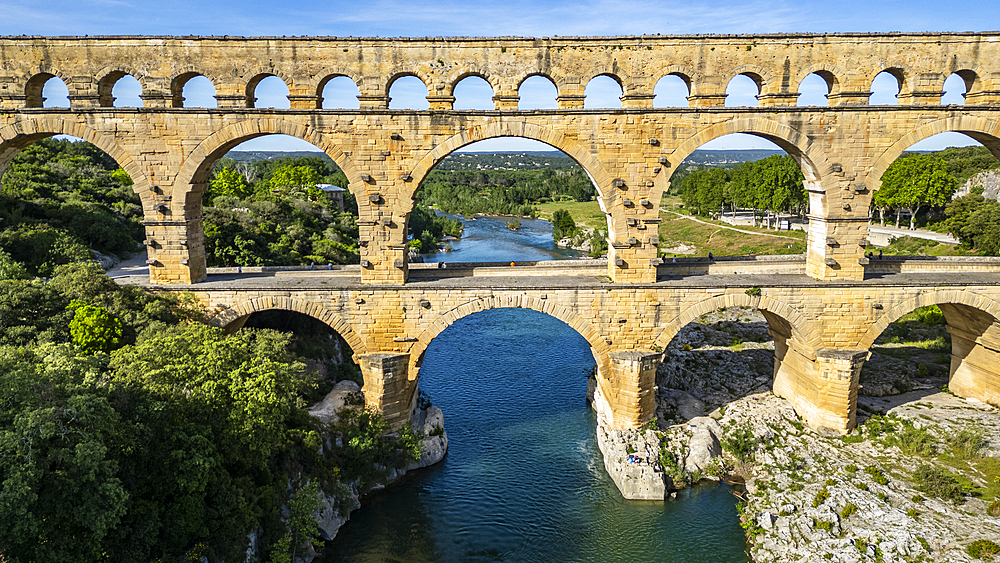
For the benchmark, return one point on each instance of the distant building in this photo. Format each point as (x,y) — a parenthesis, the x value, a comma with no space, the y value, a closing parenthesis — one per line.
(335,193)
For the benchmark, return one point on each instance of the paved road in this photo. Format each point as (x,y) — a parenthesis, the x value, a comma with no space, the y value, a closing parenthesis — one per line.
(919,233)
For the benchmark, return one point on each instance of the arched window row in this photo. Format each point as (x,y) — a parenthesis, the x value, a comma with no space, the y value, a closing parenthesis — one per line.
(536,90)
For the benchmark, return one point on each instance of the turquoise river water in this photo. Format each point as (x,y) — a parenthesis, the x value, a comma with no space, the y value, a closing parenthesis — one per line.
(523,479)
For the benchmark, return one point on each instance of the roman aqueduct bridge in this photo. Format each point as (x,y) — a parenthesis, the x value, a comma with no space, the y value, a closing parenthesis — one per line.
(825,312)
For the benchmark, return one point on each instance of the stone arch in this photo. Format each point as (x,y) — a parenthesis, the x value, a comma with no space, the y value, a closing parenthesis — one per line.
(544,75)
(325,79)
(108,77)
(19,135)
(255,80)
(198,163)
(181,78)
(33,86)
(681,72)
(572,147)
(613,71)
(795,319)
(404,73)
(896,71)
(832,74)
(598,345)
(458,76)
(986,131)
(760,75)
(923,299)
(971,76)
(811,158)
(246,308)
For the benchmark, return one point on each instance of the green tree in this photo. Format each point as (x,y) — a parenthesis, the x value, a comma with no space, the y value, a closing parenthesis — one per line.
(228,182)
(918,181)
(563,225)
(94,329)
(983,228)
(11,269)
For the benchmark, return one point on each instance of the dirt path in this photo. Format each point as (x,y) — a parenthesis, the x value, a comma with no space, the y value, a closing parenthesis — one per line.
(681,215)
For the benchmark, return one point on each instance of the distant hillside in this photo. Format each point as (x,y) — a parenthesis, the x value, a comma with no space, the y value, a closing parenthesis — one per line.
(724,157)
(523,160)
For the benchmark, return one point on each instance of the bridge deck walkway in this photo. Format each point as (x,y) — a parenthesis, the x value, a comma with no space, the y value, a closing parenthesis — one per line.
(313,280)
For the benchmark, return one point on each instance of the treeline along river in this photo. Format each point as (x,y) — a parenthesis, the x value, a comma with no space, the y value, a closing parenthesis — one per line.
(524,479)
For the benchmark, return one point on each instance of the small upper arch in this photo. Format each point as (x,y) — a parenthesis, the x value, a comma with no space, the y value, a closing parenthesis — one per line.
(328,76)
(403,74)
(255,82)
(459,75)
(180,80)
(969,78)
(109,77)
(829,73)
(34,85)
(880,95)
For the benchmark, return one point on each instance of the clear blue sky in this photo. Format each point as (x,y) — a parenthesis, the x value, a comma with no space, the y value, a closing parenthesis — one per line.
(387,18)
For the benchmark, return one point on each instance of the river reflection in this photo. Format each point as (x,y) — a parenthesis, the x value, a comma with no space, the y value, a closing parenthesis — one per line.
(524,479)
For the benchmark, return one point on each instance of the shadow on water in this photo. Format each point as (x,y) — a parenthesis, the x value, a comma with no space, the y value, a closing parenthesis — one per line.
(524,479)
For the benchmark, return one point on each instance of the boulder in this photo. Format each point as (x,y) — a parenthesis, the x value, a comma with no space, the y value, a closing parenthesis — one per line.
(326,410)
(704,444)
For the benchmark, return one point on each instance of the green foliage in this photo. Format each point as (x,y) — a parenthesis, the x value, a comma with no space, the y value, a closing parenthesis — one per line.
(982,549)
(740,442)
(563,225)
(93,329)
(821,497)
(849,509)
(301,524)
(753,291)
(938,482)
(968,443)
(429,227)
(877,475)
(772,184)
(915,181)
(60,198)
(11,269)
(915,441)
(270,213)
(503,192)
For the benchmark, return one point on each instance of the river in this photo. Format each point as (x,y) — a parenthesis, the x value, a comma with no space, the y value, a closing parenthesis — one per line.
(524,479)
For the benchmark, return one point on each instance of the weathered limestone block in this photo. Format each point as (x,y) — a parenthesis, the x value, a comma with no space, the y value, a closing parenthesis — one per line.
(388,388)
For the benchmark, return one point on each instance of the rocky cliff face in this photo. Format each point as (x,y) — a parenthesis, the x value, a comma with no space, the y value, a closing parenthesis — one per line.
(989,180)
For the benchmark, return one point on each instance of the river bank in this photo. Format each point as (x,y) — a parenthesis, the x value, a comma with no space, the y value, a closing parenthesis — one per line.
(916,482)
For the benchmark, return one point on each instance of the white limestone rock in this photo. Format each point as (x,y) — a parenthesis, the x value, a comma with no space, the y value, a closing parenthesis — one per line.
(704,444)
(326,410)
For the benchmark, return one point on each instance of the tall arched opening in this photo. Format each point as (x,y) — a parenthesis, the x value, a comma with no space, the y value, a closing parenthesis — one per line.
(65,200)
(523,465)
(506,199)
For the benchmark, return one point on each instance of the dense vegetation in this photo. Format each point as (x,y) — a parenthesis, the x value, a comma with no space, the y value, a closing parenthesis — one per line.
(132,433)
(502,192)
(270,212)
(771,185)
(61,198)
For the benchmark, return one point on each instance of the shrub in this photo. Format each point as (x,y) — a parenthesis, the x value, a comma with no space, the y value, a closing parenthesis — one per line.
(967,444)
(915,441)
(739,442)
(938,482)
(438,430)
(821,497)
(877,475)
(849,508)
(982,549)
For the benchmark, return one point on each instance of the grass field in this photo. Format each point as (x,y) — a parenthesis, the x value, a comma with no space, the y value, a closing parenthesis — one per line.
(719,238)
(586,212)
